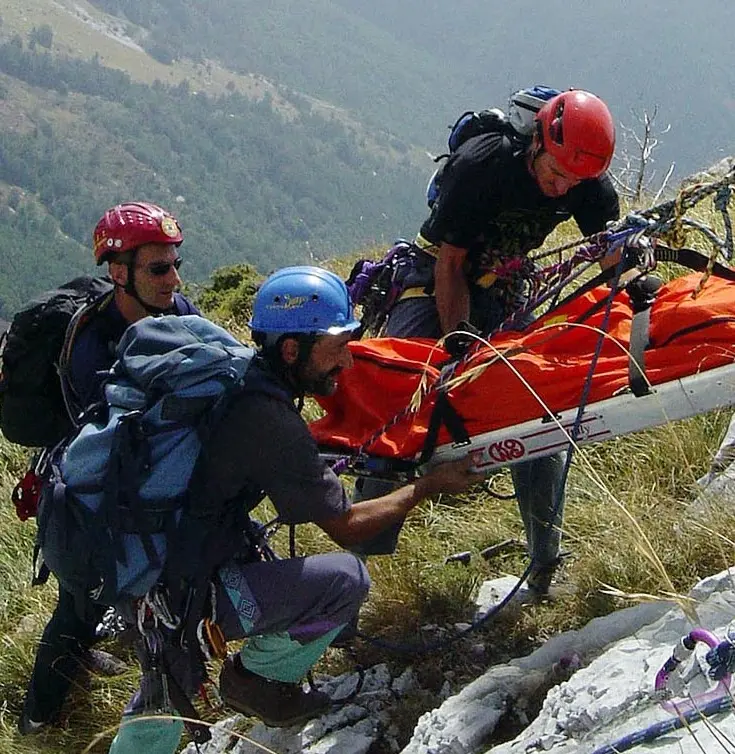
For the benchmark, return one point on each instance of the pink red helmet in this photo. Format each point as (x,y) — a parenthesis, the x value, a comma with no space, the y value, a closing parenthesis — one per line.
(577,130)
(130,225)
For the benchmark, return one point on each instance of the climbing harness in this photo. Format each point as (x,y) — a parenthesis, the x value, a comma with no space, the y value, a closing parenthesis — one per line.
(377,286)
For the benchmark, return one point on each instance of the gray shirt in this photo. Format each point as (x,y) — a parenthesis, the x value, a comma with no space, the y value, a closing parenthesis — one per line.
(263,442)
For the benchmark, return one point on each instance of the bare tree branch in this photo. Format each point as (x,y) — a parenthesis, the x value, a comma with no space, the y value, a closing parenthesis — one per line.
(635,175)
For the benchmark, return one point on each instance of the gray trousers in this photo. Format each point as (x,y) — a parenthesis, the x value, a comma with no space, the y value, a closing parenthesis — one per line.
(538,483)
(291,609)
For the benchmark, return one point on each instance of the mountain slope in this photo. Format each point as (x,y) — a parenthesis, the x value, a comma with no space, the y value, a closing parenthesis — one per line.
(249,180)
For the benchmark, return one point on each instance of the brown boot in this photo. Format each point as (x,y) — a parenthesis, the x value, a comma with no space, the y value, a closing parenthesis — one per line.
(276,703)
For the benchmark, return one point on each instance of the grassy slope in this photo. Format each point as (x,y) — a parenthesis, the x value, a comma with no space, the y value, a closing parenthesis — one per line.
(647,478)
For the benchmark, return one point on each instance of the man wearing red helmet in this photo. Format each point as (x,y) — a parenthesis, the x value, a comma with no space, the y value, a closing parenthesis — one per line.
(500,198)
(139,242)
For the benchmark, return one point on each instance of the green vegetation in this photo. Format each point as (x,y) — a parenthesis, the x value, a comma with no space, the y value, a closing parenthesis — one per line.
(248,183)
(318,48)
(648,477)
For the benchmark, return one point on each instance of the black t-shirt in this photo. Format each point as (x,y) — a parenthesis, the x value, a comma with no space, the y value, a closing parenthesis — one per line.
(491,205)
(263,443)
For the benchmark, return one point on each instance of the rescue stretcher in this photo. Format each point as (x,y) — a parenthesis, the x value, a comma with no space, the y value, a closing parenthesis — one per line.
(523,395)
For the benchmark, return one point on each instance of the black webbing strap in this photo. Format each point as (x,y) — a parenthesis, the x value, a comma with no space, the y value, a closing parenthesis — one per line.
(642,292)
(443,414)
(198,730)
(692,259)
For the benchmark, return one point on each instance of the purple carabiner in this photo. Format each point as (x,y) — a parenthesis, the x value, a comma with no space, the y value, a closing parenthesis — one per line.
(681,652)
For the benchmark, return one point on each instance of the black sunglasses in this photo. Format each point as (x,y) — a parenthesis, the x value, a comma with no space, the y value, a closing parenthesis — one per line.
(159,269)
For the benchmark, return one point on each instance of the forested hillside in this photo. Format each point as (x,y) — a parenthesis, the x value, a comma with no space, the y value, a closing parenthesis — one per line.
(248,181)
(317,47)
(411,66)
(285,131)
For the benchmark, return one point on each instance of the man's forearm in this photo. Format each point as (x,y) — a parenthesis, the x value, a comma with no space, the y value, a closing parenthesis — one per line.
(369,518)
(454,310)
(451,290)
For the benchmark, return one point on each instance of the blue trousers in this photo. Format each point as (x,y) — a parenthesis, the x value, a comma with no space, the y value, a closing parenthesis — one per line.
(59,655)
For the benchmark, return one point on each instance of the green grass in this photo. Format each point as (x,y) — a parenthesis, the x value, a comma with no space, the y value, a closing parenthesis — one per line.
(626,498)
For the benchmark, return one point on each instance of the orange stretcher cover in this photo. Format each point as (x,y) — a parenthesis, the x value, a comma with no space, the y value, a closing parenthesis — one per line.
(686,336)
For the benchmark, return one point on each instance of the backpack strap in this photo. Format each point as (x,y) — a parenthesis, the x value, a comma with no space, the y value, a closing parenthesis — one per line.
(78,322)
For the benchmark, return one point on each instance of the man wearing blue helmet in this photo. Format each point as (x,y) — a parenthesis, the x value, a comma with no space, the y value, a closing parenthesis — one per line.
(290,609)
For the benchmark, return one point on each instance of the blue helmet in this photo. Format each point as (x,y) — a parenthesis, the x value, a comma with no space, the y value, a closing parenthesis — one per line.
(303,300)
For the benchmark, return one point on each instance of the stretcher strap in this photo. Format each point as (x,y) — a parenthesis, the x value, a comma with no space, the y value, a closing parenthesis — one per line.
(642,292)
(445,414)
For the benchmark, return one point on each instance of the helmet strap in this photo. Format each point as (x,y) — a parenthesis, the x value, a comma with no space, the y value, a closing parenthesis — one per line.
(535,150)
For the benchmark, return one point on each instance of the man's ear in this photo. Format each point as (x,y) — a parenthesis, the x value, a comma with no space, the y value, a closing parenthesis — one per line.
(119,273)
(290,351)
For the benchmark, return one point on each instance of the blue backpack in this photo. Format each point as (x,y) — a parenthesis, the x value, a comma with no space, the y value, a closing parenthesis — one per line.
(123,509)
(518,125)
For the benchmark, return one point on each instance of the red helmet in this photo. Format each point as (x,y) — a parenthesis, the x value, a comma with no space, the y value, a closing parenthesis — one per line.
(130,225)
(577,130)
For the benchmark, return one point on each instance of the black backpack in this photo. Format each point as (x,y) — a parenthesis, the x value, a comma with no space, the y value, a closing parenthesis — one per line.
(517,125)
(33,408)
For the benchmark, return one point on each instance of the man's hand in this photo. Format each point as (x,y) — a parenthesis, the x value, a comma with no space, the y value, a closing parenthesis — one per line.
(368,518)
(451,477)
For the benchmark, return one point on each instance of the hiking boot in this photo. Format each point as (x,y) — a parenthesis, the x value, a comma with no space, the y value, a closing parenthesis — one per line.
(539,583)
(276,703)
(103,663)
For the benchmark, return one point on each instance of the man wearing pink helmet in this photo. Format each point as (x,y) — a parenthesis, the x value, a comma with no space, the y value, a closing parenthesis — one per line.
(500,197)
(139,242)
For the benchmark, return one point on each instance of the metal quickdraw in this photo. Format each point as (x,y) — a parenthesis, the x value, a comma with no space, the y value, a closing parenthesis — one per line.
(211,639)
(158,626)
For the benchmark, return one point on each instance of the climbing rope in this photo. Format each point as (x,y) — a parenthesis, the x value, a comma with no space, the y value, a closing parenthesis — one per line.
(665,221)
(652,732)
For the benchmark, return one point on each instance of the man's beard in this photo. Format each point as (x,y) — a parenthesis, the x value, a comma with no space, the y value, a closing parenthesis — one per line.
(322,384)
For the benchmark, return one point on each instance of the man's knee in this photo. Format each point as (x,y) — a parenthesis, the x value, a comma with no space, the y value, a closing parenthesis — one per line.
(352,578)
